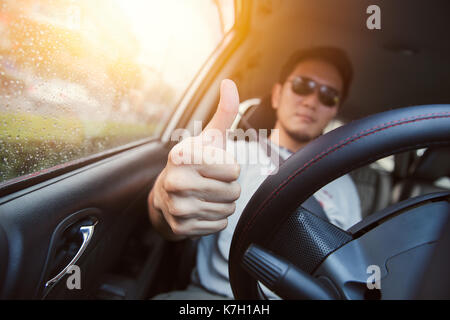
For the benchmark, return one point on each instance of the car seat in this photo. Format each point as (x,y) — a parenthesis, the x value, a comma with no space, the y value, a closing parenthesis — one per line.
(418,175)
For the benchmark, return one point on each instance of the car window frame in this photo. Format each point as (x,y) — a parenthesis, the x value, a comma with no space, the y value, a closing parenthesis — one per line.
(177,116)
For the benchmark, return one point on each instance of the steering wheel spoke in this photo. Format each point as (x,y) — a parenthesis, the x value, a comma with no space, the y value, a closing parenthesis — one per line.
(284,278)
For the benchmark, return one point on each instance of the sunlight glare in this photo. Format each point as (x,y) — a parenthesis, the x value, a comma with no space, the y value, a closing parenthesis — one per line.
(175,37)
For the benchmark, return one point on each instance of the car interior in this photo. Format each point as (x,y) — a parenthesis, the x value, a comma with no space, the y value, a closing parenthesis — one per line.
(93,211)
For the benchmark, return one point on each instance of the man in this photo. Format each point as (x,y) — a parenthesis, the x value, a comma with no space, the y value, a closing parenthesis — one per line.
(206,200)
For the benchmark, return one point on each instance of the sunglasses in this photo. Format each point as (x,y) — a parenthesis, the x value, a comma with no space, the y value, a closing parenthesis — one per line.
(304,86)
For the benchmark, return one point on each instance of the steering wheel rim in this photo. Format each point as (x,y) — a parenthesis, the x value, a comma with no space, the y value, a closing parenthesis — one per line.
(320,162)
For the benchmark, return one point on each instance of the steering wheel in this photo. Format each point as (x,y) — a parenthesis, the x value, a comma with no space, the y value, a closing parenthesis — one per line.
(298,255)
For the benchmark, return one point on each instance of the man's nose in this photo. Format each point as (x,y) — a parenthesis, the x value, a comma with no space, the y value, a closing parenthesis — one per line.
(311,101)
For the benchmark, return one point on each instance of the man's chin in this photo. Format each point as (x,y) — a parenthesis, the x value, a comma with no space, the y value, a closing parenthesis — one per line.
(300,137)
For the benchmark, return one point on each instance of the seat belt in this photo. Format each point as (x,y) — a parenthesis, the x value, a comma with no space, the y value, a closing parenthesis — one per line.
(311,204)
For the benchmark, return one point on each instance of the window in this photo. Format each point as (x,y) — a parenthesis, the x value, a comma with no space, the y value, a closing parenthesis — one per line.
(78,77)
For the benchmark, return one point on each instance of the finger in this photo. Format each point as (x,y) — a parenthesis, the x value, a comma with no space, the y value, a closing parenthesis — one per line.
(221,172)
(207,162)
(216,211)
(187,152)
(215,191)
(205,189)
(183,208)
(226,113)
(189,227)
(218,164)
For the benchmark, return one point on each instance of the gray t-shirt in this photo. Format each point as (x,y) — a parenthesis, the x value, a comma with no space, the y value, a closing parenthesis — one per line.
(339,199)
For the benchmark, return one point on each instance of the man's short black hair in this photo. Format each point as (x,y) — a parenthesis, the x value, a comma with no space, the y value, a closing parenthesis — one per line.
(332,55)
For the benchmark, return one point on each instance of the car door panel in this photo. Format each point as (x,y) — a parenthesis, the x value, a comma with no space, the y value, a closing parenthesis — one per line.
(113,190)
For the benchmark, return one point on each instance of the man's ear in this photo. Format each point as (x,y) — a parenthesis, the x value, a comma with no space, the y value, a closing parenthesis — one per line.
(276,94)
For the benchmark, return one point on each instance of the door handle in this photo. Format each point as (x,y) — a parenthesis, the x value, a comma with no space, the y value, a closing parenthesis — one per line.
(86,232)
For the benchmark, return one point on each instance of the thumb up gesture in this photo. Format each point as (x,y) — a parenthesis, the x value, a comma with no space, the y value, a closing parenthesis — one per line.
(197,190)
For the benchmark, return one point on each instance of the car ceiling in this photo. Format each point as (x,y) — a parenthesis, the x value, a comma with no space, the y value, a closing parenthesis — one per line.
(405,63)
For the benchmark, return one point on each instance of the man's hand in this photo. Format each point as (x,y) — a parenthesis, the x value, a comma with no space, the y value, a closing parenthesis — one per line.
(197,190)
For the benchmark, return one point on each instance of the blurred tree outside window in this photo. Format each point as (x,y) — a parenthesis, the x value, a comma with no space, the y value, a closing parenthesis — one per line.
(79,77)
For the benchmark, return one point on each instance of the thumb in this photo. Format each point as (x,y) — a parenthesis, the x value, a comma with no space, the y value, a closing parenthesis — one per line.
(226,111)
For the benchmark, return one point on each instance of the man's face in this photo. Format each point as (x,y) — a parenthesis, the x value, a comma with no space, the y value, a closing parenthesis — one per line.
(304,118)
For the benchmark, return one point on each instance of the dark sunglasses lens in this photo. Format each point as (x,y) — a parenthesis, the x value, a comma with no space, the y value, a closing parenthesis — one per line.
(302,86)
(328,96)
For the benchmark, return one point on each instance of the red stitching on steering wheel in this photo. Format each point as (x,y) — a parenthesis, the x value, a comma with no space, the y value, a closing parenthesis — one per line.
(336,147)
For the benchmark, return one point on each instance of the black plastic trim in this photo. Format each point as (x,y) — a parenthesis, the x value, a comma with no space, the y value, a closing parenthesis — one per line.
(374,220)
